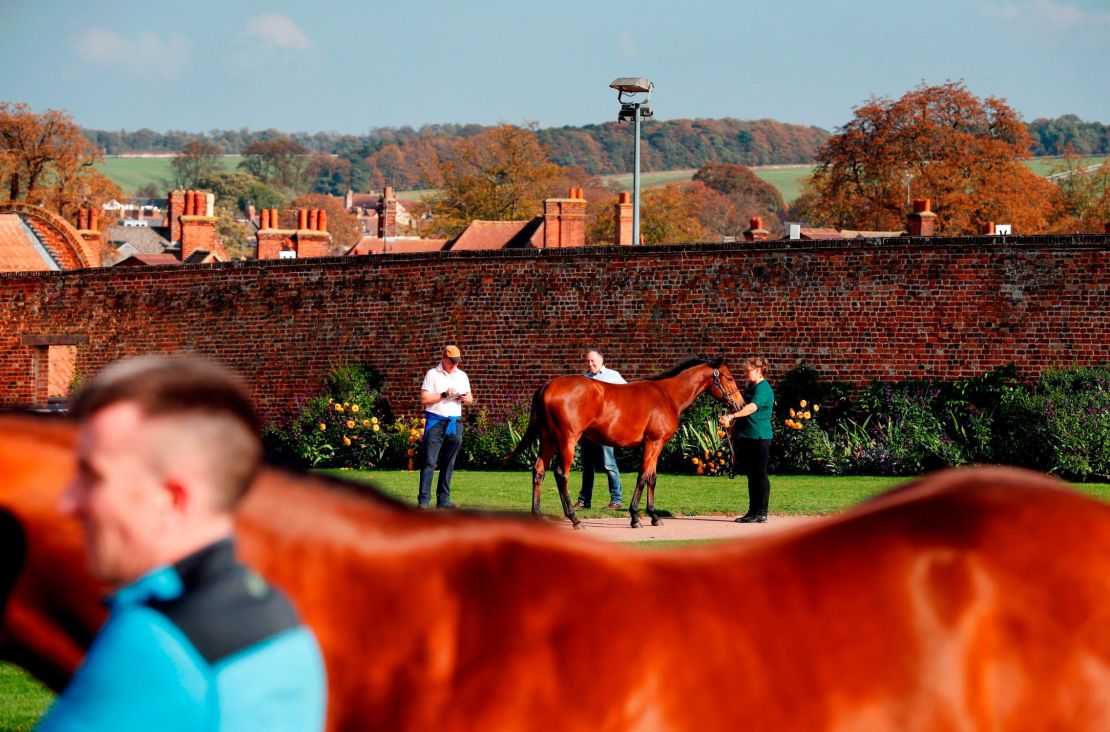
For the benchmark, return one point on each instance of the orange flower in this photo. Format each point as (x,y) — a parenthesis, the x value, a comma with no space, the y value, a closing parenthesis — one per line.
(365,423)
(792,411)
(695,461)
(350,424)
(323,426)
(802,404)
(354,407)
(720,433)
(376,428)
(346,440)
(339,407)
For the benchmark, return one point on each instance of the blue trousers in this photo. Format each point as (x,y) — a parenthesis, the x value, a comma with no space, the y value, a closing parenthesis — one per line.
(598,457)
(442,449)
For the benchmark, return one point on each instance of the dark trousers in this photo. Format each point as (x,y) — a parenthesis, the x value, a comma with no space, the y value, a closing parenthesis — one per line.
(441,448)
(754,456)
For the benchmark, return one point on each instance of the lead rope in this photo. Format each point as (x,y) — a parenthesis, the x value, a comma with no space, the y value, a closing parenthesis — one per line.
(733,407)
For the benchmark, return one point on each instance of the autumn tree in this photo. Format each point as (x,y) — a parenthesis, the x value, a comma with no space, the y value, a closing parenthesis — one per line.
(1084,195)
(936,142)
(195,161)
(671,214)
(748,196)
(45,160)
(280,162)
(499,175)
(328,174)
(345,228)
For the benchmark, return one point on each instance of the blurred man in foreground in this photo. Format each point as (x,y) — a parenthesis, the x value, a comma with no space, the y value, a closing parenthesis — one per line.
(195,640)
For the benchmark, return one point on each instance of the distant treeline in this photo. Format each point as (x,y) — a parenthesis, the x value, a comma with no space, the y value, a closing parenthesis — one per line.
(1069,134)
(403,156)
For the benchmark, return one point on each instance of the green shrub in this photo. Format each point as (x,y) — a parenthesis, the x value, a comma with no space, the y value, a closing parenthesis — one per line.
(1061,425)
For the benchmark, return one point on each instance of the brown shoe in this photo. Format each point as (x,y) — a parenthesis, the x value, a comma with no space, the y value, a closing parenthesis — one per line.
(580,504)
(615,505)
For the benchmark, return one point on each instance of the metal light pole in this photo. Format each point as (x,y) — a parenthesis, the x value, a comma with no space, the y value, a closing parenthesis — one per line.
(634,108)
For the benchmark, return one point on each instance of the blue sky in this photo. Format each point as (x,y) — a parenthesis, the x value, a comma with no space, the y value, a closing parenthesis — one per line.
(345,66)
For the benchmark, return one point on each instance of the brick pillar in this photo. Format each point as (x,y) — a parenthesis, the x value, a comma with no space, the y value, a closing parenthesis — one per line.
(755,231)
(387,214)
(91,238)
(922,221)
(177,210)
(564,220)
(198,228)
(623,214)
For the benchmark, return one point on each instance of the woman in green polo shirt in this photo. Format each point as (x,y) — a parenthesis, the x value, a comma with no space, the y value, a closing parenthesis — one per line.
(752,438)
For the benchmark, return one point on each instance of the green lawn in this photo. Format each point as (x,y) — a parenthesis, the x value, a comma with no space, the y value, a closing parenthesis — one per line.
(131,174)
(22,699)
(680,495)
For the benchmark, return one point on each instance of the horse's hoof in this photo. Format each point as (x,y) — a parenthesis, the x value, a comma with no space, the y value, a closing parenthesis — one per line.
(579,526)
(636,524)
(656,522)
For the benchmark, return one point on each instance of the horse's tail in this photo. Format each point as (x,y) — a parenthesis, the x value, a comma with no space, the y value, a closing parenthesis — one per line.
(531,433)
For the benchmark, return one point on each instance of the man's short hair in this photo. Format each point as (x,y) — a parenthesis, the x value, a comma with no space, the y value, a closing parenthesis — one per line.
(193,387)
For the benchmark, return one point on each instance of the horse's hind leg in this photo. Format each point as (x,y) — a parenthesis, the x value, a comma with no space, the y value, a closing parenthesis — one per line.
(646,479)
(538,472)
(561,473)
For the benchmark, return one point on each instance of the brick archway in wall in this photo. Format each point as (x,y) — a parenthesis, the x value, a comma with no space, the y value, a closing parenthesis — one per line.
(58,235)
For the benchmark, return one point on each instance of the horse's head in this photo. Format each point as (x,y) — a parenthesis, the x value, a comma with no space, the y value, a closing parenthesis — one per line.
(724,387)
(49,606)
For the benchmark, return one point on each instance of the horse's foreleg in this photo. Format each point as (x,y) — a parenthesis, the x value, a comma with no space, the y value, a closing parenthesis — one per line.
(562,471)
(634,505)
(652,451)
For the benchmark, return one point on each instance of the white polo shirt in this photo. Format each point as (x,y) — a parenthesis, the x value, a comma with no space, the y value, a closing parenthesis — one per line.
(438,381)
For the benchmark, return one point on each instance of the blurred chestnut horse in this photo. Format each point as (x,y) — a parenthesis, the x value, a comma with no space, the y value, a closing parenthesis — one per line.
(975,599)
(645,413)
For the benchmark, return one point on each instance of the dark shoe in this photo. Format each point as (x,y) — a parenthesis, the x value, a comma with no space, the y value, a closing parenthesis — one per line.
(581,504)
(751,519)
(614,505)
(448,506)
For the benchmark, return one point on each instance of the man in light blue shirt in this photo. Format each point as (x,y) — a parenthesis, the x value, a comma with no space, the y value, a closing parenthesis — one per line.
(595,456)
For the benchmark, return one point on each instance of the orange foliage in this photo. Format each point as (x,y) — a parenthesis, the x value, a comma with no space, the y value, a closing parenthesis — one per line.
(46,161)
(937,142)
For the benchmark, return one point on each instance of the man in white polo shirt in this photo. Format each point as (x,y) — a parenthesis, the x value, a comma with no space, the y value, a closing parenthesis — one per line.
(445,389)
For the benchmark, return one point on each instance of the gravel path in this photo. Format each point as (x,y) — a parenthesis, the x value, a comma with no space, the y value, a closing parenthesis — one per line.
(685,528)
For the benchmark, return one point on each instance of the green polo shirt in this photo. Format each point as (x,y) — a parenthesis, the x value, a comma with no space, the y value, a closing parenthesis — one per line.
(757,426)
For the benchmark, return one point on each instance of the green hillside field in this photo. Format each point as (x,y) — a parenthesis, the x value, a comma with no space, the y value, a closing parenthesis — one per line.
(132,173)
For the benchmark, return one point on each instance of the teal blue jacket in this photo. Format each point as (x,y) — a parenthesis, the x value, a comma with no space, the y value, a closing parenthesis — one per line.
(202,645)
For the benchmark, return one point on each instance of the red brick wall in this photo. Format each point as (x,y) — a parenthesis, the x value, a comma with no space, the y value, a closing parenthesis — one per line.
(858,310)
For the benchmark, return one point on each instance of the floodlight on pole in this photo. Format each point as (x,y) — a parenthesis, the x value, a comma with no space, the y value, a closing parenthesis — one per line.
(634,107)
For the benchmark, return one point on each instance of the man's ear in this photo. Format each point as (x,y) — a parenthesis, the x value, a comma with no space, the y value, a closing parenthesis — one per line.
(176,492)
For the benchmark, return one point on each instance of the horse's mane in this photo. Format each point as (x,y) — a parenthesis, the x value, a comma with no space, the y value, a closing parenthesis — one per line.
(688,363)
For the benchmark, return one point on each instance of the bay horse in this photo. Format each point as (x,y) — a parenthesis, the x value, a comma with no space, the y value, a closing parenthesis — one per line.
(975,599)
(644,413)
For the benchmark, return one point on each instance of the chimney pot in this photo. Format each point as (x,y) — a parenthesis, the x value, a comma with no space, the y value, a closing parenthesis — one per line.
(388,193)
(922,204)
(82,218)
(312,219)
(322,221)
(755,223)
(302,218)
(625,197)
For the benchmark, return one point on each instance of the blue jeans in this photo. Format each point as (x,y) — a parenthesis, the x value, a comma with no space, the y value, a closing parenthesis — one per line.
(594,457)
(440,448)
